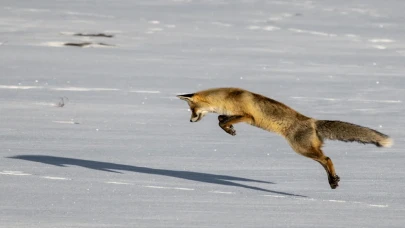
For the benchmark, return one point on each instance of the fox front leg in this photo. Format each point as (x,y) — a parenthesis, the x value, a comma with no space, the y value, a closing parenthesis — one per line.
(222,118)
(228,128)
(225,122)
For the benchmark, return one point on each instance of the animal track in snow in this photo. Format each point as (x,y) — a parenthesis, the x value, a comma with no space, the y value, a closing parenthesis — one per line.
(94,35)
(87,44)
(75,44)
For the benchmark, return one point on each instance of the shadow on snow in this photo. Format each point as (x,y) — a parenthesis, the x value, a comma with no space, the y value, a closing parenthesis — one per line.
(113,167)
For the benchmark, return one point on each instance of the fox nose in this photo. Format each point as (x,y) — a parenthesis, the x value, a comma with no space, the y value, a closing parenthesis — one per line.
(191,121)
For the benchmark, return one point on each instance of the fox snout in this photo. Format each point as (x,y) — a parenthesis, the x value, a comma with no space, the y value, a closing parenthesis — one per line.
(195,117)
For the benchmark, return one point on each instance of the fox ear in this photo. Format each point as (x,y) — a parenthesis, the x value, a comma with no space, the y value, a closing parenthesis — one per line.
(186,97)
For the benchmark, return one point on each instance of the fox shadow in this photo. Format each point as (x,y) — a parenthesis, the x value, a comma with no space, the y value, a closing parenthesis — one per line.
(115,168)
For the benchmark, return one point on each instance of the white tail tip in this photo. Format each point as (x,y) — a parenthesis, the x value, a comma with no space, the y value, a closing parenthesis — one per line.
(388,142)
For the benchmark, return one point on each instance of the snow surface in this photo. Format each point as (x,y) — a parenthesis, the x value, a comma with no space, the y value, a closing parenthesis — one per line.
(121,152)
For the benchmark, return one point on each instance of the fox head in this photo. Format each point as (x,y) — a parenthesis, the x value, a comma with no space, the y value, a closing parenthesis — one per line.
(199,108)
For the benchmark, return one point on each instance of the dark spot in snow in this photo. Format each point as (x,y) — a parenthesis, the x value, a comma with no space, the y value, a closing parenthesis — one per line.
(83,44)
(94,35)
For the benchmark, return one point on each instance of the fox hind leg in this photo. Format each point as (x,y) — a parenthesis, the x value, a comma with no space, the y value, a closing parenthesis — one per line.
(309,145)
(327,164)
(317,155)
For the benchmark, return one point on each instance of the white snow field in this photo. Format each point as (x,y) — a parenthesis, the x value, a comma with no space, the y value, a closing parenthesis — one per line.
(94,136)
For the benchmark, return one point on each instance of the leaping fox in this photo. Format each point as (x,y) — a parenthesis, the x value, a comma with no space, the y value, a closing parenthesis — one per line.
(304,134)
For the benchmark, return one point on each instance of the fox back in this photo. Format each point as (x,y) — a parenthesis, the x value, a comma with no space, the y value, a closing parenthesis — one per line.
(264,112)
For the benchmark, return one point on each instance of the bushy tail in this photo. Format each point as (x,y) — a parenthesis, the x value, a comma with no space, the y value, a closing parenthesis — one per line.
(347,132)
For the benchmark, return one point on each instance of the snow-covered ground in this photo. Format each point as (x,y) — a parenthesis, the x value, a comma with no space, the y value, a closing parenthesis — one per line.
(121,152)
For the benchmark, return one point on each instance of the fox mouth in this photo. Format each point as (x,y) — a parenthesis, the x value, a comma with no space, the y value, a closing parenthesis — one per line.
(196,119)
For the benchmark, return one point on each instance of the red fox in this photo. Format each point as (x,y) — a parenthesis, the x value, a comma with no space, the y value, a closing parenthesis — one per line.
(304,134)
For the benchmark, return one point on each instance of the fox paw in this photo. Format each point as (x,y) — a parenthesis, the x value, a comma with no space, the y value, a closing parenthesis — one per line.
(337,178)
(334,182)
(230,130)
